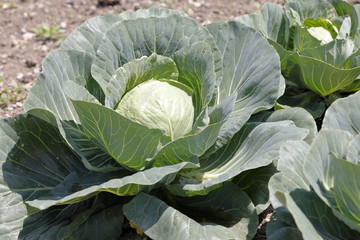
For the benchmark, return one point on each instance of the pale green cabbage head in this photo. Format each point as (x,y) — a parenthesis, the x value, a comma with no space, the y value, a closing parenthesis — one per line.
(159,104)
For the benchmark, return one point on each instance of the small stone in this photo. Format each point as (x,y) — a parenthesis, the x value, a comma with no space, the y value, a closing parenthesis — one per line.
(33,14)
(19,104)
(36,70)
(20,76)
(69,2)
(63,24)
(28,36)
(44,48)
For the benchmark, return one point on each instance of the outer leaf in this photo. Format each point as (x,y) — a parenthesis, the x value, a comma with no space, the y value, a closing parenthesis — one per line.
(67,73)
(322,170)
(291,176)
(307,100)
(251,147)
(96,218)
(344,114)
(59,68)
(12,209)
(88,36)
(345,9)
(315,219)
(160,221)
(282,226)
(319,166)
(254,183)
(309,9)
(322,77)
(300,117)
(129,143)
(39,162)
(131,39)
(347,190)
(197,142)
(237,212)
(335,53)
(251,70)
(120,185)
(270,21)
(44,170)
(353,154)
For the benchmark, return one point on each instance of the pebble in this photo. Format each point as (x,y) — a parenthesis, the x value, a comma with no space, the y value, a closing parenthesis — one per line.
(44,48)
(63,24)
(28,36)
(36,70)
(20,76)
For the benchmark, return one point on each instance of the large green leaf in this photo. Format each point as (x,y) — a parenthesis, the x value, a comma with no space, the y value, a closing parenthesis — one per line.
(282,226)
(300,117)
(161,221)
(197,70)
(270,21)
(302,39)
(129,143)
(198,141)
(88,36)
(59,68)
(335,53)
(120,185)
(308,100)
(291,176)
(298,11)
(291,188)
(66,73)
(346,189)
(38,164)
(132,39)
(334,181)
(315,219)
(237,212)
(98,218)
(12,209)
(344,114)
(319,76)
(345,9)
(254,183)
(251,69)
(252,147)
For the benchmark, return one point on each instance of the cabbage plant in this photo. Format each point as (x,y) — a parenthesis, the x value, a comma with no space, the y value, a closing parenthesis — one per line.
(318,43)
(316,194)
(141,119)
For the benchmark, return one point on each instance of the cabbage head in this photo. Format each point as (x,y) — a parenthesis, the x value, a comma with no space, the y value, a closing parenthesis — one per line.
(141,119)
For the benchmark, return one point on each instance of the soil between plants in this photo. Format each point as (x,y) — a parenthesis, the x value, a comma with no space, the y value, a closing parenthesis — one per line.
(22,51)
